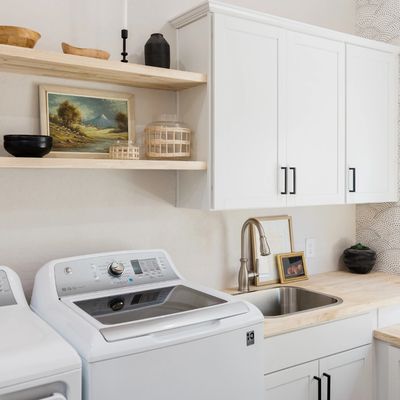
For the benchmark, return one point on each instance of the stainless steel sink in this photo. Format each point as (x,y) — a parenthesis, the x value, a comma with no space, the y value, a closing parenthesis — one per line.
(280,301)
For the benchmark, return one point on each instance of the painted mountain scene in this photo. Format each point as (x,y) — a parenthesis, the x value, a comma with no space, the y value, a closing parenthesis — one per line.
(86,124)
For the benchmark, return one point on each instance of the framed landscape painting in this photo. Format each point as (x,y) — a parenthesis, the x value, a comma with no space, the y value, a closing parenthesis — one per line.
(85,122)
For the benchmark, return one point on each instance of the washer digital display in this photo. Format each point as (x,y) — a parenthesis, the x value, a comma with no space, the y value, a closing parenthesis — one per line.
(137,269)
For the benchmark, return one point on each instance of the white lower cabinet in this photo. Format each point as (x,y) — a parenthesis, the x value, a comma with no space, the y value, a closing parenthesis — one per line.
(394,373)
(350,374)
(344,376)
(388,371)
(293,383)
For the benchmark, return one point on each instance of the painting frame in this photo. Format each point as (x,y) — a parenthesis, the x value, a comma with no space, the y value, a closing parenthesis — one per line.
(292,258)
(266,268)
(45,90)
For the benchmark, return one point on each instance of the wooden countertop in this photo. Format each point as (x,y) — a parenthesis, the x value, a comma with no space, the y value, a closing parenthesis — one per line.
(360,294)
(390,334)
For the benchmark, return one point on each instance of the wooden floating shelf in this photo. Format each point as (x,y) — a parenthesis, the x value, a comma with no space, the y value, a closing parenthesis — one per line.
(83,163)
(37,62)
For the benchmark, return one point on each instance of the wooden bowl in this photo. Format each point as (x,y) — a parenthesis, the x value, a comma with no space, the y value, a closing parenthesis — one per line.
(17,36)
(77,51)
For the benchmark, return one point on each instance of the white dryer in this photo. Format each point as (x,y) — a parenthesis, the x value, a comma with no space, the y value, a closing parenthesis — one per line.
(35,362)
(143,332)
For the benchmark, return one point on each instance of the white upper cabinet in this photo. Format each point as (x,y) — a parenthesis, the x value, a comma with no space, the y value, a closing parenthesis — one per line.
(315,118)
(372,82)
(282,111)
(246,140)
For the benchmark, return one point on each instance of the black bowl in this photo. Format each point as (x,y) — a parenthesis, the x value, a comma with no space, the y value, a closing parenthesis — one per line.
(28,145)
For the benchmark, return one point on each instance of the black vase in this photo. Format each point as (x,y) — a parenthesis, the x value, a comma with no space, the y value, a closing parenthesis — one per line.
(157,52)
(359,261)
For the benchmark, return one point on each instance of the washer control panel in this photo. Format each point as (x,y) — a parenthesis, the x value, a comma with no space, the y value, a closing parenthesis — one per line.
(87,274)
(6,295)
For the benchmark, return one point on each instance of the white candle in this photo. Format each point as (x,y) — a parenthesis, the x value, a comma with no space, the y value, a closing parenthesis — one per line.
(125,14)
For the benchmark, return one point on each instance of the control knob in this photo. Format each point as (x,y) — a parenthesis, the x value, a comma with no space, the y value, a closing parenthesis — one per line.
(116,269)
(117,304)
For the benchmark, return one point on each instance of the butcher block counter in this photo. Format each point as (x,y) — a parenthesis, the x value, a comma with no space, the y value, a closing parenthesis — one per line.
(390,335)
(360,294)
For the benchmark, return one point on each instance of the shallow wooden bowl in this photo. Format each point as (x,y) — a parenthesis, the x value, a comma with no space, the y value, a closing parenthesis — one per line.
(17,36)
(77,51)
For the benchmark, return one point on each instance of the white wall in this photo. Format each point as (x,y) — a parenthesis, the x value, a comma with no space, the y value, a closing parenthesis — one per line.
(49,214)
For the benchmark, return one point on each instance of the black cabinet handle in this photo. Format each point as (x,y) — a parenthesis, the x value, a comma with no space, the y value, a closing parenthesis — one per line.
(294,180)
(319,380)
(353,190)
(328,386)
(285,184)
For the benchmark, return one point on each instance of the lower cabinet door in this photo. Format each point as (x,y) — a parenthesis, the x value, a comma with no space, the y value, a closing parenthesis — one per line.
(350,375)
(393,389)
(297,383)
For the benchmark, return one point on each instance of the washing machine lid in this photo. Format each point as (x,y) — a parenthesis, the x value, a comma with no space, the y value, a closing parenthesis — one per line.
(147,304)
(143,312)
(29,348)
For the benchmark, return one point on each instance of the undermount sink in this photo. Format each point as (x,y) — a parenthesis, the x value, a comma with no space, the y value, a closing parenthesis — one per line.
(280,301)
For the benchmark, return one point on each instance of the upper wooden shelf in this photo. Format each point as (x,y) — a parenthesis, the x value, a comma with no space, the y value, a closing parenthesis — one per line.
(84,163)
(37,62)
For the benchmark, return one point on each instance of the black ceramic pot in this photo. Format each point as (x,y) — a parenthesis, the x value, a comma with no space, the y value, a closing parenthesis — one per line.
(359,259)
(157,52)
(28,145)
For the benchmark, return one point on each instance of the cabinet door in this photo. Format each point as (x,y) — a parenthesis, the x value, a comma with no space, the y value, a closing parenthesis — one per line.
(351,374)
(293,383)
(247,152)
(372,81)
(393,389)
(315,120)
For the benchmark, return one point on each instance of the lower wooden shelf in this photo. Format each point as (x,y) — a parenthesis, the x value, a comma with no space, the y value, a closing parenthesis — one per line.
(81,163)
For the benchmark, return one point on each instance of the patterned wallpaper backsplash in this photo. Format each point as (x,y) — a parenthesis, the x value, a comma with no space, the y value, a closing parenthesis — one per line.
(378,19)
(378,225)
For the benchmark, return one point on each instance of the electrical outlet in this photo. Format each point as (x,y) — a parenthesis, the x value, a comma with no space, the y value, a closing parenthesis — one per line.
(311,248)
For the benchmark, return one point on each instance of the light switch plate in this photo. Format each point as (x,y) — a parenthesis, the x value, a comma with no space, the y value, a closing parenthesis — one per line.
(311,248)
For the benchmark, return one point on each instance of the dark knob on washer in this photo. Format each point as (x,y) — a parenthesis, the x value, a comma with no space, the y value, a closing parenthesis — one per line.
(117,304)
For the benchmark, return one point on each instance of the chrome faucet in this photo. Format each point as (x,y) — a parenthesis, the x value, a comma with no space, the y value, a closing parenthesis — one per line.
(244,274)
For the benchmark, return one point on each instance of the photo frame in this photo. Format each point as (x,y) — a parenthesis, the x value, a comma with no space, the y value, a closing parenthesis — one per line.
(279,233)
(85,122)
(292,267)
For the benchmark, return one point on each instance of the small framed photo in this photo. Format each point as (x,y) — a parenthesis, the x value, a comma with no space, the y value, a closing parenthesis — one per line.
(292,267)
(278,230)
(85,122)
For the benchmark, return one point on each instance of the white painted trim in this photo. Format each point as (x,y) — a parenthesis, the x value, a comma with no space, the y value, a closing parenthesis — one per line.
(214,6)
(190,16)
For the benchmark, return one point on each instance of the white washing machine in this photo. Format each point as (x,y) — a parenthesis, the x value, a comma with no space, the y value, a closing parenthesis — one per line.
(145,333)
(35,362)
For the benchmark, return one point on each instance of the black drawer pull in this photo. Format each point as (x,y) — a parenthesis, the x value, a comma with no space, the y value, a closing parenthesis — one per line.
(328,386)
(294,180)
(285,184)
(354,188)
(319,387)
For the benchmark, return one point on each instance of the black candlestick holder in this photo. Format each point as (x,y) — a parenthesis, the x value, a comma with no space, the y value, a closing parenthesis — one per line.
(124,54)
